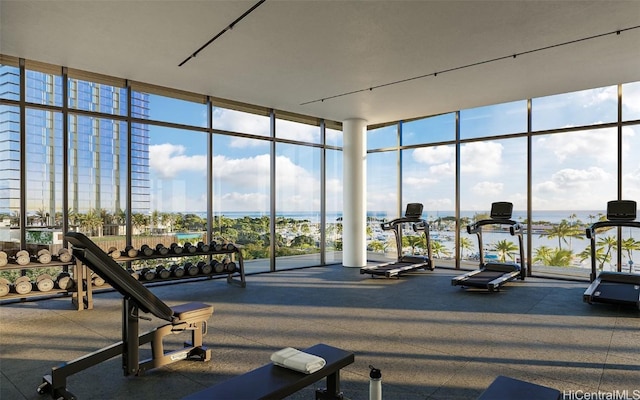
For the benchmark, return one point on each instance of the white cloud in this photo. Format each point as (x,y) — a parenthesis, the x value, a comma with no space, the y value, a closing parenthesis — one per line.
(434,155)
(236,121)
(169,159)
(419,181)
(486,188)
(482,158)
(587,188)
(601,144)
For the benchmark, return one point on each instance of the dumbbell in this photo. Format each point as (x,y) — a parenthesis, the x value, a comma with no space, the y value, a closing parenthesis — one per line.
(229,266)
(162,272)
(147,274)
(44,282)
(44,257)
(146,250)
(64,281)
(192,270)
(230,247)
(202,247)
(4,259)
(4,287)
(217,246)
(97,280)
(175,248)
(163,251)
(218,267)
(190,248)
(134,274)
(204,267)
(131,251)
(177,270)
(114,252)
(22,285)
(64,255)
(22,257)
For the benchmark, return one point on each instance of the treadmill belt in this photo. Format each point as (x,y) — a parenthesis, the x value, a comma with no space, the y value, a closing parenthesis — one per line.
(481,279)
(613,292)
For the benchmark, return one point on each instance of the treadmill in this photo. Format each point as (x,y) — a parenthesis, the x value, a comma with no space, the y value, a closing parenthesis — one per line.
(613,287)
(412,215)
(492,275)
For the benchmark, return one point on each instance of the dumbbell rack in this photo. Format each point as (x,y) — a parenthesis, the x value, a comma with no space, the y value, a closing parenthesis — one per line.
(236,277)
(76,291)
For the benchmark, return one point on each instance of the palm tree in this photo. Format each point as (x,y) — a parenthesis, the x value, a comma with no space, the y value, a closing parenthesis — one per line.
(438,249)
(505,248)
(543,254)
(607,243)
(629,245)
(413,241)
(465,244)
(553,257)
(378,246)
(601,256)
(562,231)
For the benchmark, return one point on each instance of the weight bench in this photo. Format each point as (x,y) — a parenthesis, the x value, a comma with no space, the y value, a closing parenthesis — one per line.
(273,382)
(186,317)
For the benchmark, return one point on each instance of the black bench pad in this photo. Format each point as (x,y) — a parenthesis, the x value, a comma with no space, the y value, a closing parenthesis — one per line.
(273,382)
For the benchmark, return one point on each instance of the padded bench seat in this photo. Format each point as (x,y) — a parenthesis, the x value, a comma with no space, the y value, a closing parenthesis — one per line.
(273,382)
(192,311)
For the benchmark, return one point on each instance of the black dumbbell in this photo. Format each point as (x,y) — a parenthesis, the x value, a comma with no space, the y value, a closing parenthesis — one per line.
(114,252)
(97,280)
(202,247)
(162,272)
(148,274)
(177,270)
(176,248)
(204,267)
(229,266)
(192,270)
(44,282)
(160,249)
(146,250)
(64,281)
(190,248)
(64,255)
(218,267)
(5,287)
(131,251)
(22,285)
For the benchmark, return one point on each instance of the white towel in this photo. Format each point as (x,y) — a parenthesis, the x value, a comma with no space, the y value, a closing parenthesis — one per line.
(298,360)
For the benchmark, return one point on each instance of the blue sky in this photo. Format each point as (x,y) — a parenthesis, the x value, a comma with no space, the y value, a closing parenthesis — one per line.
(575,170)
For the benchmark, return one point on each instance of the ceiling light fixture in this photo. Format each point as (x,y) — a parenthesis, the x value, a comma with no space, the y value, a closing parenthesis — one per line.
(434,74)
(228,28)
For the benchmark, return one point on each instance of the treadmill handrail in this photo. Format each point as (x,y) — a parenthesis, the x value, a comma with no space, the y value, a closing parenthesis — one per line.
(475,227)
(108,269)
(591,230)
(391,224)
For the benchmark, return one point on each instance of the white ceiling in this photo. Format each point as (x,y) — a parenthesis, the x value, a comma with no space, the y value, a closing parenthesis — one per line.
(287,53)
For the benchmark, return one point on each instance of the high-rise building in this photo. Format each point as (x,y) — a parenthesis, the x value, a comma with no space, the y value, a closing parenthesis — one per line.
(96,153)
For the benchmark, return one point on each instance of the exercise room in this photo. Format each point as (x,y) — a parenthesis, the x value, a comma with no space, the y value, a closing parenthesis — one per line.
(268,199)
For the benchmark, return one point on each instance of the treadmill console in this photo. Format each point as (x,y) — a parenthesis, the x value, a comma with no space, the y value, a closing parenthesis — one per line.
(501,210)
(414,210)
(621,210)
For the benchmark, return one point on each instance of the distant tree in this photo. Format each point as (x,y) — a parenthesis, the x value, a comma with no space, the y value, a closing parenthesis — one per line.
(465,244)
(505,248)
(438,249)
(413,241)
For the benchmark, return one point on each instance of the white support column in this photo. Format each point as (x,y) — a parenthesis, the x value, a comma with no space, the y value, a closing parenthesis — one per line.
(354,218)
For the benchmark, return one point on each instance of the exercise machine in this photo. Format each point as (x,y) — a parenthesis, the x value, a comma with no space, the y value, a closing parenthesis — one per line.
(137,298)
(404,263)
(609,286)
(492,275)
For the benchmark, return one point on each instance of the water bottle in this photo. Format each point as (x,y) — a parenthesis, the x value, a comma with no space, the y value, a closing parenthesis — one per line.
(375,384)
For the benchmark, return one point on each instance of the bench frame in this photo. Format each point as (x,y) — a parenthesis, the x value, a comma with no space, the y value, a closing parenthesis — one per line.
(186,317)
(274,382)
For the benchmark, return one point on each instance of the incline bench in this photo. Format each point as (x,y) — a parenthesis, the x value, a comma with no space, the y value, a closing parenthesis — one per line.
(273,382)
(186,317)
